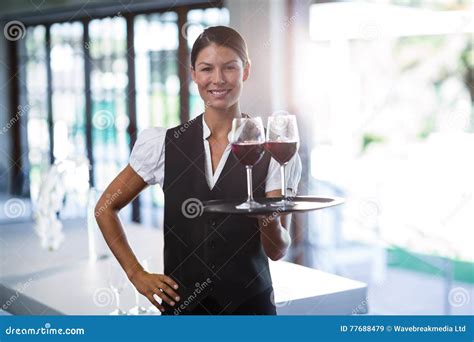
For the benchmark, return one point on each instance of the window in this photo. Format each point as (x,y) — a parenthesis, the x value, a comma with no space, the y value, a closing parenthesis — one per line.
(67,66)
(108,53)
(156,54)
(33,96)
(59,122)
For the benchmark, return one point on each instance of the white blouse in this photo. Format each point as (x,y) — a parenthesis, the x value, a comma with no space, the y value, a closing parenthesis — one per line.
(148,161)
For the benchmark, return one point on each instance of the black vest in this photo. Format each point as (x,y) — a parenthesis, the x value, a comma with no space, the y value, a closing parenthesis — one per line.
(209,254)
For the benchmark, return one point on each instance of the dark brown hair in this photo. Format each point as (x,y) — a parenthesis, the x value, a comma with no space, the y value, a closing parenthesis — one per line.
(222,36)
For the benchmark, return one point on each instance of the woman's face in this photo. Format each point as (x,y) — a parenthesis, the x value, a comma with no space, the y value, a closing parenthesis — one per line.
(219,74)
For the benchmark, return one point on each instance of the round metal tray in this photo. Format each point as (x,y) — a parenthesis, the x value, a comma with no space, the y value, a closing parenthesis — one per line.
(302,204)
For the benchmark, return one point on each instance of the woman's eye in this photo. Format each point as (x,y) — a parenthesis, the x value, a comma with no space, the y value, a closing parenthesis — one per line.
(206,69)
(230,67)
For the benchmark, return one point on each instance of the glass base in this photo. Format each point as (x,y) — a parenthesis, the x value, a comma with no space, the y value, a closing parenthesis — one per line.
(118,312)
(283,203)
(249,205)
(153,310)
(138,310)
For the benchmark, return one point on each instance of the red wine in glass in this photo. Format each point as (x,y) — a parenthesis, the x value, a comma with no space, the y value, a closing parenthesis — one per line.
(247,139)
(282,151)
(282,143)
(248,153)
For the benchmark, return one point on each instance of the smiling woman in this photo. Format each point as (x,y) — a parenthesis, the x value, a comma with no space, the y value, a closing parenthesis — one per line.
(220,64)
(191,163)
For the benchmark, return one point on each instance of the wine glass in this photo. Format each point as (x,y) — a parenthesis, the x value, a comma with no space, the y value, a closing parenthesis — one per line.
(248,138)
(150,265)
(282,142)
(117,282)
(138,309)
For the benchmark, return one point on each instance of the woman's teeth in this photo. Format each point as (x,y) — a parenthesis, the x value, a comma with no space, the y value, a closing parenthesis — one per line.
(218,92)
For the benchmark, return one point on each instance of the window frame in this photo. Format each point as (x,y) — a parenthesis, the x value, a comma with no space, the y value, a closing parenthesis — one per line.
(84,15)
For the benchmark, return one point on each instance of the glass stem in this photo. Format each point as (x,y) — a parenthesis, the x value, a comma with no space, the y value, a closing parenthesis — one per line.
(283,183)
(249,183)
(117,299)
(137,297)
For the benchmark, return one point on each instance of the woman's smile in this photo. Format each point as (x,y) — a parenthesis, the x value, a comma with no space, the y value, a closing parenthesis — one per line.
(219,93)
(219,74)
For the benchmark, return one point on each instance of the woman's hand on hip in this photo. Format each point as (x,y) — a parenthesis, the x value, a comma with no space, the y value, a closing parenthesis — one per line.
(151,284)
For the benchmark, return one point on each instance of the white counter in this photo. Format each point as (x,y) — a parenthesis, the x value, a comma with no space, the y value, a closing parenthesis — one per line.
(38,282)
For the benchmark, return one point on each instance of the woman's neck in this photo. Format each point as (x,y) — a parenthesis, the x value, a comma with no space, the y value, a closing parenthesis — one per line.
(220,121)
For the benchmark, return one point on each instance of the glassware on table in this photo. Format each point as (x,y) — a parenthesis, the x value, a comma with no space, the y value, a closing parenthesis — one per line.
(138,309)
(282,142)
(117,282)
(150,265)
(247,139)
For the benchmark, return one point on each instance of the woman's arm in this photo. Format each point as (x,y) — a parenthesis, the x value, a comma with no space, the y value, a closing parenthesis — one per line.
(274,232)
(123,189)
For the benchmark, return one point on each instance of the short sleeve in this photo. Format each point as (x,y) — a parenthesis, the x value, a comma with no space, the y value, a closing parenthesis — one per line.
(148,155)
(292,175)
